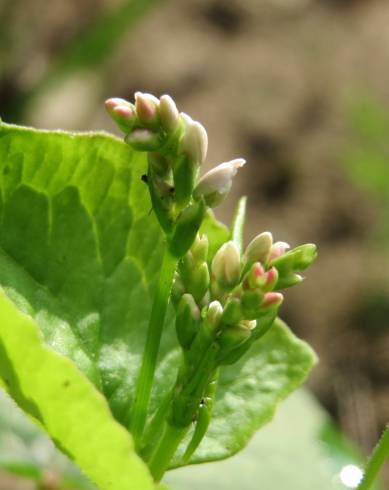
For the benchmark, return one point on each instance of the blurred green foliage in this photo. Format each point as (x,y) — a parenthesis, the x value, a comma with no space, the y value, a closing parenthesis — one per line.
(367,156)
(300,450)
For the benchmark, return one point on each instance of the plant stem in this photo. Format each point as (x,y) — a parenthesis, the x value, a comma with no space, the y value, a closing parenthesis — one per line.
(164,452)
(203,419)
(153,340)
(154,427)
(238,222)
(377,459)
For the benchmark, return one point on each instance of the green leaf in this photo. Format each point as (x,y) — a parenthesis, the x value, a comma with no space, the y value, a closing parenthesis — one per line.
(80,249)
(69,261)
(249,392)
(75,415)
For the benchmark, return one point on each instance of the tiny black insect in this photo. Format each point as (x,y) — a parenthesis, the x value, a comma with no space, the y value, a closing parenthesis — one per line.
(144,178)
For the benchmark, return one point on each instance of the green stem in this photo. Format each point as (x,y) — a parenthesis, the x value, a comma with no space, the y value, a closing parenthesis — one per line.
(153,340)
(164,452)
(154,427)
(184,405)
(237,227)
(377,459)
(204,367)
(204,418)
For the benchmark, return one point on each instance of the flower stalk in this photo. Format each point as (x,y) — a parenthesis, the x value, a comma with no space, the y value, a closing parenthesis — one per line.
(223,303)
(176,147)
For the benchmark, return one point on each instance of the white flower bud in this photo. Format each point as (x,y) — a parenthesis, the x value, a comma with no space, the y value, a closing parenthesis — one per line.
(249,324)
(187,320)
(258,250)
(278,249)
(216,184)
(168,113)
(226,265)
(214,314)
(194,143)
(146,107)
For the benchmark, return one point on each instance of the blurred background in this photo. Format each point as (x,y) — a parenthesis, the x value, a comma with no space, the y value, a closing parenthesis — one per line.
(300,88)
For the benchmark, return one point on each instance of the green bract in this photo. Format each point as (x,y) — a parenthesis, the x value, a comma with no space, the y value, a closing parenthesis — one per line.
(80,253)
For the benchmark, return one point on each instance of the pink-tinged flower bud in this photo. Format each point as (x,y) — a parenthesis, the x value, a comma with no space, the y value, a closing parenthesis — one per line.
(194,142)
(126,114)
(113,102)
(272,300)
(147,108)
(226,266)
(256,277)
(271,279)
(168,113)
(278,249)
(216,184)
(258,250)
(122,112)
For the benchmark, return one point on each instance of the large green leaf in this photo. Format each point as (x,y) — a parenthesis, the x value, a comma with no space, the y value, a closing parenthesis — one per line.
(52,389)
(80,251)
(68,203)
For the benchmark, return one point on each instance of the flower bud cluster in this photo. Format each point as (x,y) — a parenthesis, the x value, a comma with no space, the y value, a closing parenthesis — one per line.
(176,146)
(231,298)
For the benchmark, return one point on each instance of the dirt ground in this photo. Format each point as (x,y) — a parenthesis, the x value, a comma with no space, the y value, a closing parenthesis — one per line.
(272,82)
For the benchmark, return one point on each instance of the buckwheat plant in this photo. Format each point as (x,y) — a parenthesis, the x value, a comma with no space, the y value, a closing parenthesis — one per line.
(223,303)
(135,329)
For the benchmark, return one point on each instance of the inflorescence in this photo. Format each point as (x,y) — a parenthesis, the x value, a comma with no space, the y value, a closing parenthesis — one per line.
(224,302)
